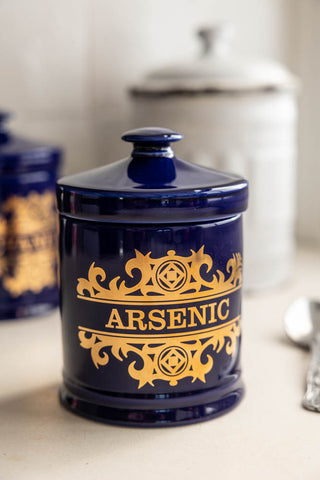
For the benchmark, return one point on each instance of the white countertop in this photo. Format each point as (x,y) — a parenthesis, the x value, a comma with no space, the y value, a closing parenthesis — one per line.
(268,436)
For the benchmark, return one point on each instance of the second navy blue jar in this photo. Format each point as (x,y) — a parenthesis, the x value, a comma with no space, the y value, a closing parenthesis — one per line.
(151,273)
(28,226)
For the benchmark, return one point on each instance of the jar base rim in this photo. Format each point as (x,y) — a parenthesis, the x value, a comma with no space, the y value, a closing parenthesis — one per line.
(221,402)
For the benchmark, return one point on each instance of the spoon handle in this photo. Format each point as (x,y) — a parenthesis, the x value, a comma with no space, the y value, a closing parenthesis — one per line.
(311,400)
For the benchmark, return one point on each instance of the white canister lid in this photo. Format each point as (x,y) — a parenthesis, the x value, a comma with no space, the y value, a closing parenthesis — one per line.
(218,69)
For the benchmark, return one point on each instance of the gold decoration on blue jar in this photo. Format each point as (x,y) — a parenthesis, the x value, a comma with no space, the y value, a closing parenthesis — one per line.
(28,243)
(167,357)
(172,278)
(202,321)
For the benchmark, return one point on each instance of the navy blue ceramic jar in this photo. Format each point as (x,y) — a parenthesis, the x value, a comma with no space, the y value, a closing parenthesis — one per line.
(28,226)
(151,270)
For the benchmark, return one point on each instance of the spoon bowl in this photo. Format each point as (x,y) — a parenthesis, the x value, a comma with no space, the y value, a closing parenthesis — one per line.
(302,326)
(298,323)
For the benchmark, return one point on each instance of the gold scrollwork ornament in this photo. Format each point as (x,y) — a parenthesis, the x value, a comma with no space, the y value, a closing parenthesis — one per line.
(169,278)
(169,357)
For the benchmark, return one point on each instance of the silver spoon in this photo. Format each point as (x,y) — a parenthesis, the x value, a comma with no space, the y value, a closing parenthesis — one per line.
(302,326)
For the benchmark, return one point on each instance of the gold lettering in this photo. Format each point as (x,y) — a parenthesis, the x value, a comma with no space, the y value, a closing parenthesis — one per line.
(176,319)
(24,244)
(136,316)
(41,241)
(200,317)
(157,317)
(172,318)
(213,312)
(31,243)
(114,320)
(219,311)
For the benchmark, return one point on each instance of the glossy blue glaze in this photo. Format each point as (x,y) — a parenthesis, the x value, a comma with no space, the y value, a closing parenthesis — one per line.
(137,359)
(149,184)
(28,174)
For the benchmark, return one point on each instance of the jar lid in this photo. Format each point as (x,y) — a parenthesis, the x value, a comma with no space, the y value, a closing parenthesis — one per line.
(217,70)
(19,154)
(152,185)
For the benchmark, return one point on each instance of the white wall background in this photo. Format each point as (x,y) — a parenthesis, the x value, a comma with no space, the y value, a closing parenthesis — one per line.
(66,64)
(308,66)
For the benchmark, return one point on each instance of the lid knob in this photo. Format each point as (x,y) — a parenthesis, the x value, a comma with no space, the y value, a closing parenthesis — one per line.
(4,133)
(216,39)
(152,164)
(151,135)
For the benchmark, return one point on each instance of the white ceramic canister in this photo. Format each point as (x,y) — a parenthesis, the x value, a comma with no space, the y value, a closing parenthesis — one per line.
(238,115)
